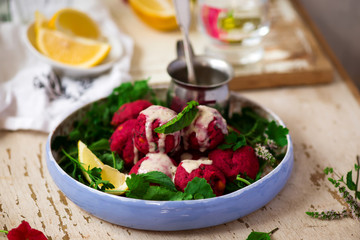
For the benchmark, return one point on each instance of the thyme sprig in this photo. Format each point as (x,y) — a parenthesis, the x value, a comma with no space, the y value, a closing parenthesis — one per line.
(343,186)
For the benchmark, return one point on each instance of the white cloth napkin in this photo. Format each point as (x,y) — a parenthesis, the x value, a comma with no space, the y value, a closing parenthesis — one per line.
(27,102)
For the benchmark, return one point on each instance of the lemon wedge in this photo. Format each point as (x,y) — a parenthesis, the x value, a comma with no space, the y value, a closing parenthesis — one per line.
(70,50)
(158,14)
(76,23)
(89,161)
(40,21)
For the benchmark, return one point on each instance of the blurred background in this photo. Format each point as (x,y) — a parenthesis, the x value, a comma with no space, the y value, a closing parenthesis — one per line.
(338,21)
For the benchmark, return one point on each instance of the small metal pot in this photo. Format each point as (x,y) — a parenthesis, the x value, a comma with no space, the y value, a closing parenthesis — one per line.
(212,78)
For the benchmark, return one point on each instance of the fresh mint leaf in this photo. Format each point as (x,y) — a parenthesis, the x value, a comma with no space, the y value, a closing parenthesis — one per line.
(277,133)
(199,186)
(182,120)
(349,182)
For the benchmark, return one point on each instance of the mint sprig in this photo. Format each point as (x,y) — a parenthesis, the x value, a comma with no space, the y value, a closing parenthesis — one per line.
(182,120)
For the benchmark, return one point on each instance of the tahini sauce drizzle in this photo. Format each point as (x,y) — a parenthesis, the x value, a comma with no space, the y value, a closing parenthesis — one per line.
(191,165)
(163,115)
(200,125)
(158,162)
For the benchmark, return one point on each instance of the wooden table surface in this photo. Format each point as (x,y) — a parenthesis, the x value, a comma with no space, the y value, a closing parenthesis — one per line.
(323,122)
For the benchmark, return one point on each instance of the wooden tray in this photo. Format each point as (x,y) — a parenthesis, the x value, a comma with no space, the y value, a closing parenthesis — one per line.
(292,55)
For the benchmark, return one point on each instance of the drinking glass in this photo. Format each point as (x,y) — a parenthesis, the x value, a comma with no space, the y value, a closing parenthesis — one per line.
(234,28)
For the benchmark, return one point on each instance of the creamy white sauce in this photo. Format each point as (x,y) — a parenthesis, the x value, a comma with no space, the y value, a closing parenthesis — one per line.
(158,162)
(191,165)
(200,126)
(164,115)
(136,153)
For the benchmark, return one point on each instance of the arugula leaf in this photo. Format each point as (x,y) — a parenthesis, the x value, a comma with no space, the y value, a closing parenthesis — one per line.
(199,188)
(102,144)
(111,159)
(277,133)
(182,120)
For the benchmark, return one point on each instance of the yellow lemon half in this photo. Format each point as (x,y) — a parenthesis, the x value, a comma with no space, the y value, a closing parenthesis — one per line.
(158,14)
(89,161)
(76,23)
(70,50)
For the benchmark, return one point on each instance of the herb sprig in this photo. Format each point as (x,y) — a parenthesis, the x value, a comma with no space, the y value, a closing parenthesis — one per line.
(352,200)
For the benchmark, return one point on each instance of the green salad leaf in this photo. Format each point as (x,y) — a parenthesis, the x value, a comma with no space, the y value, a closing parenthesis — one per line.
(158,186)
(182,120)
(277,133)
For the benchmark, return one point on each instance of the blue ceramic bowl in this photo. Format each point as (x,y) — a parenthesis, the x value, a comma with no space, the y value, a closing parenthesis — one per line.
(172,215)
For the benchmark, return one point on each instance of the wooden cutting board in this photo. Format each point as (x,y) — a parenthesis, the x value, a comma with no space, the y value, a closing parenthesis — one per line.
(292,55)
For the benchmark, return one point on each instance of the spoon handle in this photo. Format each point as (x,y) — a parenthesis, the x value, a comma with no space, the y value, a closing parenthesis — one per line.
(183,17)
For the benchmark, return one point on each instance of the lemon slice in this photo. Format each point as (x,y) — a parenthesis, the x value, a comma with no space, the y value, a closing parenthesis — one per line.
(159,14)
(89,161)
(116,178)
(40,21)
(75,22)
(70,50)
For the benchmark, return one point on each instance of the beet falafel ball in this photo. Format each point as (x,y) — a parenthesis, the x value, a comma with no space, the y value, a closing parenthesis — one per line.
(121,142)
(155,162)
(202,168)
(206,131)
(146,139)
(243,161)
(129,111)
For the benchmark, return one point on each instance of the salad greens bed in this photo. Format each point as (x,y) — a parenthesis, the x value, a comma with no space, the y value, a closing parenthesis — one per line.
(245,128)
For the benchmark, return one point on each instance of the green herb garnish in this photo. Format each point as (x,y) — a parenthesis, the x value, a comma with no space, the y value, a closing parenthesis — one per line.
(277,133)
(94,174)
(141,186)
(261,235)
(182,120)
(353,209)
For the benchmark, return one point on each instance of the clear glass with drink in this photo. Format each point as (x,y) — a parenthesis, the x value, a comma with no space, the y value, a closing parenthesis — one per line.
(235,28)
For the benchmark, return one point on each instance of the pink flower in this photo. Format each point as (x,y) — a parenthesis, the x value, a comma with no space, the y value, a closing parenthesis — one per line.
(25,232)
